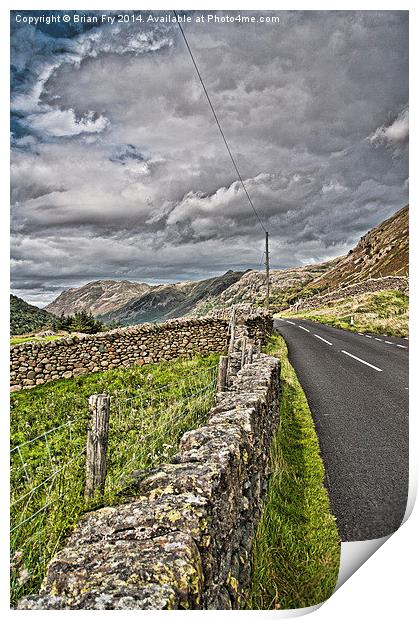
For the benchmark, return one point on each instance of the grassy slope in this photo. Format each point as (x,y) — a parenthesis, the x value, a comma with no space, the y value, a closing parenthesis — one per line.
(386,312)
(297,548)
(154,405)
(26,318)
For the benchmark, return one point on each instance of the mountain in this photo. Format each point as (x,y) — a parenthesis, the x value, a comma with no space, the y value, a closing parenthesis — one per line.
(171,300)
(26,318)
(383,251)
(251,288)
(97,297)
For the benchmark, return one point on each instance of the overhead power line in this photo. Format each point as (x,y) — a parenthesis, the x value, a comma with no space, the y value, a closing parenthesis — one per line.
(218,123)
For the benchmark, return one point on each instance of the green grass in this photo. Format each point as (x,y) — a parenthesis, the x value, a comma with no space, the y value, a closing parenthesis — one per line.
(296,552)
(386,312)
(152,406)
(21,339)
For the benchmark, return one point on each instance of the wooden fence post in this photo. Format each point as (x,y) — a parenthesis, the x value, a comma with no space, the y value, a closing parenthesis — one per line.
(222,373)
(97,444)
(232,330)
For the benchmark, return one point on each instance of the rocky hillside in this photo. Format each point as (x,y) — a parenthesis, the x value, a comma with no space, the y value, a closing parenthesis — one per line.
(170,301)
(97,297)
(286,284)
(383,251)
(25,318)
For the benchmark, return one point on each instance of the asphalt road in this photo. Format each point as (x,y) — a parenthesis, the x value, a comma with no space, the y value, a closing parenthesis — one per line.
(357,389)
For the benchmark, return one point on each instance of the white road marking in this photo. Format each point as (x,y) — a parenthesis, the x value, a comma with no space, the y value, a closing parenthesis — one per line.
(291,323)
(320,338)
(304,328)
(362,361)
(366,336)
(401,346)
(405,338)
(360,333)
(388,342)
(380,339)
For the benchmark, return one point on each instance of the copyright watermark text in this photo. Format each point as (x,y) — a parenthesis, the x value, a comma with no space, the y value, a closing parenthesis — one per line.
(167,18)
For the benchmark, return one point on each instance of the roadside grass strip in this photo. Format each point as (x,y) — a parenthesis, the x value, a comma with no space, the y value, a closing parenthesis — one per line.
(384,313)
(296,553)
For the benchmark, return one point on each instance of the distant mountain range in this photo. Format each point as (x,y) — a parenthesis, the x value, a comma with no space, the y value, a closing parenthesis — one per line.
(380,252)
(172,300)
(97,297)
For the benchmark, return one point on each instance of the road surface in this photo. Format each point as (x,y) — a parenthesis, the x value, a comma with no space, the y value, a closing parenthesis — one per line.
(357,389)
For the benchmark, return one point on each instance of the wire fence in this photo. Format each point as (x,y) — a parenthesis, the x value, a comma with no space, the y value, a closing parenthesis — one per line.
(153,421)
(46,475)
(48,469)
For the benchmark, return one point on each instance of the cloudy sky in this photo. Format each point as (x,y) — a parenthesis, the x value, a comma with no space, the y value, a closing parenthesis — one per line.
(119,172)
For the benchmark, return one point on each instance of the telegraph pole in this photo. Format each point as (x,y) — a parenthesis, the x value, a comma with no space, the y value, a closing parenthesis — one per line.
(267,267)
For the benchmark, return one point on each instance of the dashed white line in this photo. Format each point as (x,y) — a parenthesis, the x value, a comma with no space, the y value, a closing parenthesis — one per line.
(388,342)
(304,328)
(380,339)
(320,338)
(290,322)
(360,333)
(401,346)
(362,361)
(366,336)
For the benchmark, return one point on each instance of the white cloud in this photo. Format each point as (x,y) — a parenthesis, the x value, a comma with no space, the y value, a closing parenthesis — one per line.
(143,187)
(41,56)
(333,186)
(63,123)
(394,133)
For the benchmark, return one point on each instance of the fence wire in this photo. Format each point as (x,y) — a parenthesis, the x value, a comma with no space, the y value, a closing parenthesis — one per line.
(153,421)
(48,468)
(46,474)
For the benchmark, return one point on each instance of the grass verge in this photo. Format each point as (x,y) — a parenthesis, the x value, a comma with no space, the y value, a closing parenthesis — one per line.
(152,406)
(296,552)
(386,312)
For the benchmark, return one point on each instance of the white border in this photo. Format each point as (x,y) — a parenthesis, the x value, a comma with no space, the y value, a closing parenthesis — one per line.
(384,587)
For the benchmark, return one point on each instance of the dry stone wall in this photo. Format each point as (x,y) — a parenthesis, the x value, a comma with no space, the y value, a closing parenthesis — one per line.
(35,363)
(184,541)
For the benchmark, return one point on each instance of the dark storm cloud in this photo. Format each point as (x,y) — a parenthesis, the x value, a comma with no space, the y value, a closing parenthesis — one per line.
(118,169)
